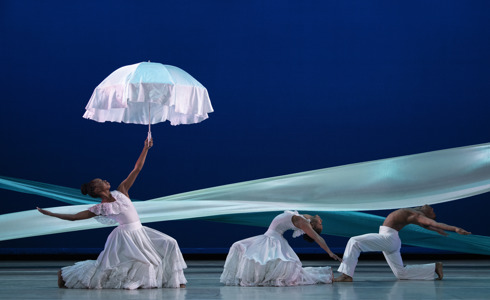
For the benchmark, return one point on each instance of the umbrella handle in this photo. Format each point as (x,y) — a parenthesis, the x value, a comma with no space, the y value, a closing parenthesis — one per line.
(149,122)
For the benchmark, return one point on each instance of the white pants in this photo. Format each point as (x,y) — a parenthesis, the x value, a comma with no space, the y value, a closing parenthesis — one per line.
(387,241)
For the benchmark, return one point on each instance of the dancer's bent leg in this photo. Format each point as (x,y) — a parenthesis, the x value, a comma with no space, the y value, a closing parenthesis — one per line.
(356,245)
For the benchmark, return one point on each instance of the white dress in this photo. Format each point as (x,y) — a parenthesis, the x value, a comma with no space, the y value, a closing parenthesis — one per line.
(268,260)
(134,256)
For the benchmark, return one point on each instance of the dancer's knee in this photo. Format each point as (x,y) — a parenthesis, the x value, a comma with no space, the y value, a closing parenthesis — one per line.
(171,243)
(354,242)
(175,243)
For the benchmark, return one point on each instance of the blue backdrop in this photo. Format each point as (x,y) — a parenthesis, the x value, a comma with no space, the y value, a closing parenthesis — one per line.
(296,86)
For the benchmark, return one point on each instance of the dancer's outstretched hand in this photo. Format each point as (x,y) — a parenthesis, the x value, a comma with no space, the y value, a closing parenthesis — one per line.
(332,255)
(462,231)
(44,212)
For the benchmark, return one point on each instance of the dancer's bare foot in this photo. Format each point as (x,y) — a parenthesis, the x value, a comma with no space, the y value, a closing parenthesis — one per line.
(182,286)
(439,271)
(61,282)
(343,278)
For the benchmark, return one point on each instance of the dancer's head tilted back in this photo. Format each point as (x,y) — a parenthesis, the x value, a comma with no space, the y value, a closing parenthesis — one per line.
(427,210)
(94,187)
(316,224)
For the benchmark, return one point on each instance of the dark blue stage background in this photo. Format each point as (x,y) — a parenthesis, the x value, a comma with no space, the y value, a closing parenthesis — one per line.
(296,86)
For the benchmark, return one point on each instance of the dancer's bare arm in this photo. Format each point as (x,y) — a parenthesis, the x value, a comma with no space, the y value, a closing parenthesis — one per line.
(86,214)
(430,224)
(306,227)
(128,182)
(440,231)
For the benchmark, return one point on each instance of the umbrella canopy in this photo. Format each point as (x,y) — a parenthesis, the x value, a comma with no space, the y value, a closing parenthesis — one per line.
(149,93)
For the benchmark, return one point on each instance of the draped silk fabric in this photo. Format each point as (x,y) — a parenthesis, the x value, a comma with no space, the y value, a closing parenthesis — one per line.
(334,193)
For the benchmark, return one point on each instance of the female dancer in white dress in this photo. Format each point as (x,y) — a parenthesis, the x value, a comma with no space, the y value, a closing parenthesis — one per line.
(134,256)
(268,260)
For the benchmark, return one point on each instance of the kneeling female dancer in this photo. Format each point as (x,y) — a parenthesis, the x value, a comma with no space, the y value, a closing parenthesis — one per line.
(134,256)
(268,260)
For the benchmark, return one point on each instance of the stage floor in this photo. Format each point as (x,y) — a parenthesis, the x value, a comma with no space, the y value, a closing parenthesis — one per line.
(462,280)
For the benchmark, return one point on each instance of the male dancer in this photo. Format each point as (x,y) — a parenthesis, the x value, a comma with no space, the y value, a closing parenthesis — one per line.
(387,240)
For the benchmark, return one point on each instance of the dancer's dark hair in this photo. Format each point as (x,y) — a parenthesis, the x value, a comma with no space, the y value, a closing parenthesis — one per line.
(89,188)
(308,238)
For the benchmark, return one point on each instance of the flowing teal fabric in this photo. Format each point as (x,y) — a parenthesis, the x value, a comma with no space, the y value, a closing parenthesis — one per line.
(334,193)
(63,194)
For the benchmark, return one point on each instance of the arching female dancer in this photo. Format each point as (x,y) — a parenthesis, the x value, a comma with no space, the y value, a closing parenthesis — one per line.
(134,256)
(268,260)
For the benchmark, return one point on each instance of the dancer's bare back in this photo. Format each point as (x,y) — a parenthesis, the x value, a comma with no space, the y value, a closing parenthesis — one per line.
(402,217)
(423,216)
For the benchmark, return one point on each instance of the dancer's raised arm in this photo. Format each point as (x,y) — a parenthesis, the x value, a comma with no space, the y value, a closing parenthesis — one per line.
(128,182)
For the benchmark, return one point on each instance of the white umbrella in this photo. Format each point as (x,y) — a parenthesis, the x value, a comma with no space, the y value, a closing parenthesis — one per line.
(149,93)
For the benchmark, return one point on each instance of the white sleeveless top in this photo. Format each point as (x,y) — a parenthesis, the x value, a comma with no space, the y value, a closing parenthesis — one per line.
(284,222)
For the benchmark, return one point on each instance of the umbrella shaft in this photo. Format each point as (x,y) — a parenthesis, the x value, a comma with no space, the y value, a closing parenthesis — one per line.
(149,121)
